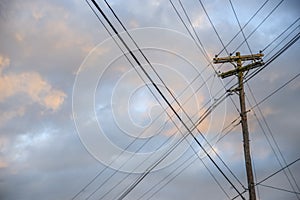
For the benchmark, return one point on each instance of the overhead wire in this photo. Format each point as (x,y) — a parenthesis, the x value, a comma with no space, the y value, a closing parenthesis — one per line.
(275,56)
(271,175)
(280,189)
(251,18)
(212,24)
(190,161)
(127,145)
(282,33)
(130,188)
(241,29)
(202,49)
(92,180)
(276,172)
(98,8)
(274,141)
(204,52)
(276,46)
(176,102)
(275,91)
(268,127)
(254,30)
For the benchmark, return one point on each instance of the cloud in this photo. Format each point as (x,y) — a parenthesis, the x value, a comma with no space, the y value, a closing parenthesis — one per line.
(30,84)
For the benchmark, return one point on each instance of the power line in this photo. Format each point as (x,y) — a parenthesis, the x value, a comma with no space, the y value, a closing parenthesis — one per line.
(260,24)
(283,32)
(275,56)
(176,102)
(212,24)
(267,138)
(195,33)
(280,189)
(131,53)
(88,184)
(201,48)
(244,26)
(275,91)
(288,35)
(274,141)
(241,29)
(271,175)
(187,160)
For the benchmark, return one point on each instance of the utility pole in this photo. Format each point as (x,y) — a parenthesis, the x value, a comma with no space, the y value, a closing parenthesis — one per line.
(239,72)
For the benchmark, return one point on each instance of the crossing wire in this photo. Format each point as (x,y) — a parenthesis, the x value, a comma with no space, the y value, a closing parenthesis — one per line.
(272,11)
(190,161)
(204,52)
(278,55)
(288,35)
(92,180)
(84,188)
(106,167)
(267,125)
(241,29)
(131,53)
(251,18)
(275,56)
(280,189)
(271,175)
(212,24)
(282,33)
(274,141)
(203,116)
(197,141)
(202,49)
(275,91)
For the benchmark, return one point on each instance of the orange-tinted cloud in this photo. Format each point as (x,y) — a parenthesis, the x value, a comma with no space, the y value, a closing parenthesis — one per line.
(30,84)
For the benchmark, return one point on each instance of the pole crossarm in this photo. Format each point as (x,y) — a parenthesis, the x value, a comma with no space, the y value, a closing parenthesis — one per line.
(235,58)
(241,69)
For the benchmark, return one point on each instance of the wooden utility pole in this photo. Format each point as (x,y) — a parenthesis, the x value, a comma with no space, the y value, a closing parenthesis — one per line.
(239,72)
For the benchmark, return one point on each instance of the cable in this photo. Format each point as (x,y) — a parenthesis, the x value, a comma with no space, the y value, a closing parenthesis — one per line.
(76,195)
(187,160)
(275,91)
(260,23)
(202,49)
(213,26)
(275,56)
(130,188)
(241,29)
(283,32)
(140,65)
(274,141)
(197,44)
(244,26)
(282,40)
(184,168)
(280,189)
(273,174)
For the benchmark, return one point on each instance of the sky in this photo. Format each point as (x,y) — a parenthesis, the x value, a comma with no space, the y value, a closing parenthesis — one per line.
(71,103)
